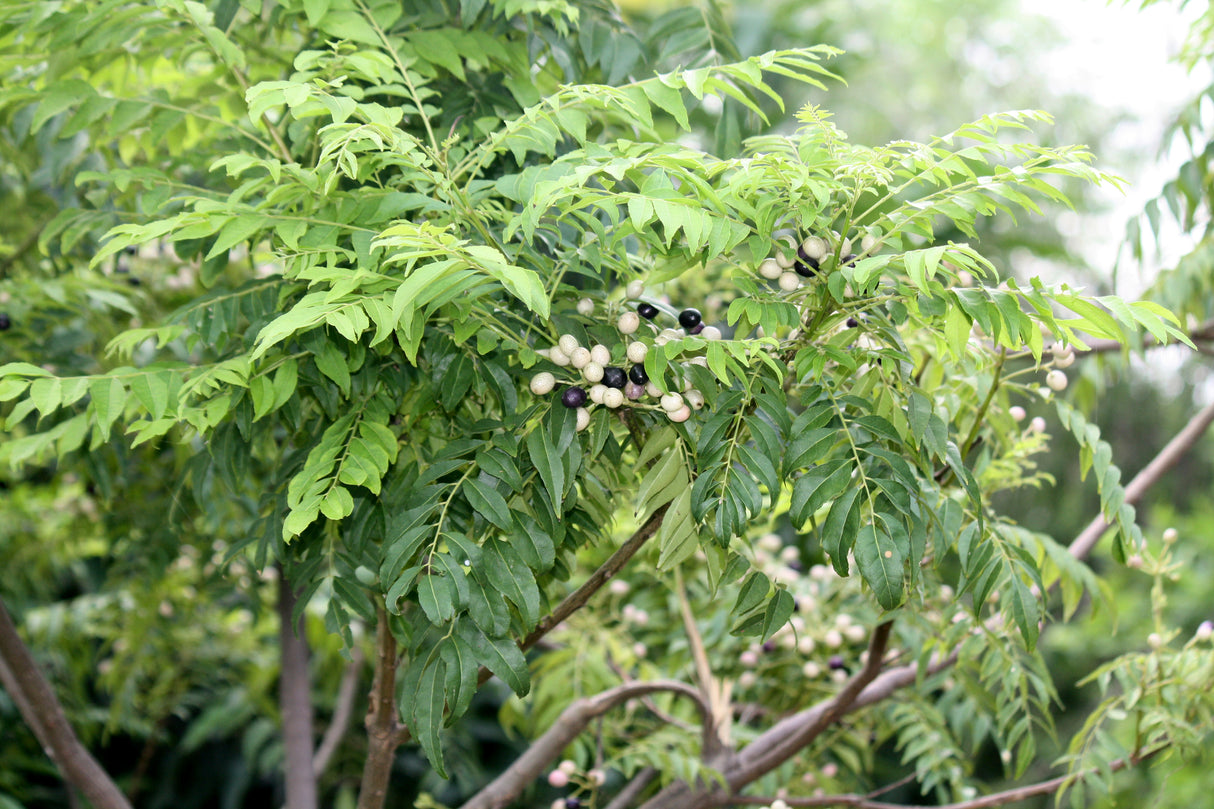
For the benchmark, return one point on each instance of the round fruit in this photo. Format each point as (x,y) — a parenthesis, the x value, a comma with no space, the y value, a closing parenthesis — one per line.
(647,310)
(585,307)
(558,357)
(573,803)
(711,333)
(813,247)
(652,390)
(1017,413)
(558,779)
(6,322)
(680,415)
(568,343)
(849,259)
(770,268)
(852,323)
(637,374)
(628,322)
(807,268)
(593,372)
(634,391)
(696,329)
(568,766)
(868,243)
(579,358)
(637,352)
(1056,380)
(690,318)
(613,397)
(672,402)
(600,354)
(614,377)
(694,399)
(596,393)
(573,397)
(836,662)
(635,289)
(542,383)
(789,281)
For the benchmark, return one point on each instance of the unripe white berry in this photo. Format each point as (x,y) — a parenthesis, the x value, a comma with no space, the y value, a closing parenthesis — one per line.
(770,269)
(672,402)
(542,383)
(597,776)
(652,390)
(1037,425)
(628,322)
(558,779)
(694,399)
(567,343)
(619,587)
(1065,361)
(845,248)
(1134,561)
(811,670)
(593,372)
(1017,412)
(635,289)
(855,633)
(965,279)
(711,333)
(868,243)
(567,766)
(596,393)
(783,261)
(749,659)
(1205,630)
(833,639)
(600,354)
(814,247)
(805,645)
(789,281)
(585,307)
(747,680)
(1170,535)
(580,357)
(613,397)
(637,352)
(1056,380)
(583,418)
(558,357)
(1155,640)
(680,415)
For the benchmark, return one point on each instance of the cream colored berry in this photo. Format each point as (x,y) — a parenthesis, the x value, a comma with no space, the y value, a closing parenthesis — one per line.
(613,397)
(585,307)
(558,357)
(814,247)
(580,357)
(635,289)
(694,399)
(637,352)
(628,322)
(592,372)
(567,343)
(542,383)
(600,354)
(672,402)
(771,269)
(711,333)
(680,415)
(596,393)
(789,281)
(1056,380)
(583,418)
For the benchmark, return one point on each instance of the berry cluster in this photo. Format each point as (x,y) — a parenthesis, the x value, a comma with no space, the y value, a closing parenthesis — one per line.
(811,254)
(603,378)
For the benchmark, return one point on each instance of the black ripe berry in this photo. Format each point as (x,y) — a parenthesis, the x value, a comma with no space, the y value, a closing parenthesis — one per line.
(6,322)
(852,323)
(690,318)
(696,329)
(573,803)
(850,259)
(836,662)
(647,310)
(807,268)
(614,377)
(769,646)
(637,374)
(573,397)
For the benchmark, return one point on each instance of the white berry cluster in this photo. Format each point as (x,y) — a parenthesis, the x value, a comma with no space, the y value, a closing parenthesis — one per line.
(808,256)
(596,374)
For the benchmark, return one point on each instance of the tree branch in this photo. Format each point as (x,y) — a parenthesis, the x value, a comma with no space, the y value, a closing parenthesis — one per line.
(985,802)
(1203,333)
(1168,457)
(295,702)
(384,733)
(343,710)
(42,712)
(633,789)
(572,721)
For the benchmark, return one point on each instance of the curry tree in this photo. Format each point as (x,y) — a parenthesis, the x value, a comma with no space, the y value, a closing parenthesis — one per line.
(452,314)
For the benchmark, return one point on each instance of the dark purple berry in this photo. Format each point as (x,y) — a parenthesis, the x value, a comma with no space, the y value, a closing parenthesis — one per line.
(807,268)
(614,377)
(835,662)
(769,646)
(647,310)
(850,259)
(696,329)
(690,318)
(573,803)
(637,374)
(573,397)
(852,323)
(6,322)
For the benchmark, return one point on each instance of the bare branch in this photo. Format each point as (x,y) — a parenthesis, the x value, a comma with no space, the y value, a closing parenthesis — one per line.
(343,710)
(384,732)
(572,721)
(633,789)
(1168,457)
(42,712)
(985,802)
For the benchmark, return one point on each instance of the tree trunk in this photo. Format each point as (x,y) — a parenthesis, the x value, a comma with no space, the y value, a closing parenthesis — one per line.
(295,701)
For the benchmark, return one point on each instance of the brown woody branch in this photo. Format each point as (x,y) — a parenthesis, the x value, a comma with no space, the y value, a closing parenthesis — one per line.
(384,732)
(42,711)
(572,721)
(985,802)
(343,710)
(295,702)
(1168,457)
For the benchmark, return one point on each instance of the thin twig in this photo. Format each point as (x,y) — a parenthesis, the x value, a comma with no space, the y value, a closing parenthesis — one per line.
(343,710)
(633,789)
